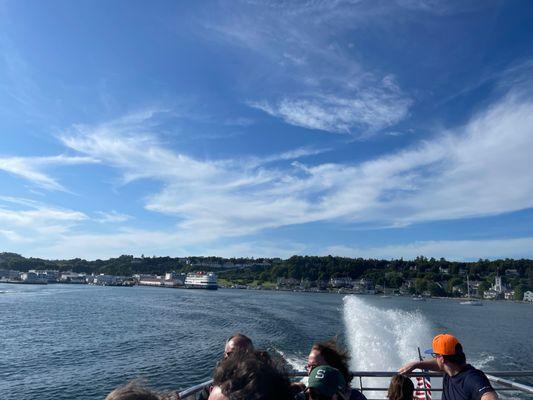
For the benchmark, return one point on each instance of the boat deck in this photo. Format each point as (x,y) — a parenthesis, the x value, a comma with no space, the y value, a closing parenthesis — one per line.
(497,378)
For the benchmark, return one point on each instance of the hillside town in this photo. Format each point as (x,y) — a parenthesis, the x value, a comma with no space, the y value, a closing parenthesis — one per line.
(363,286)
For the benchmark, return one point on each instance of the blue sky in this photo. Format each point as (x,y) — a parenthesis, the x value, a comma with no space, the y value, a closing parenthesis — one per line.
(255,128)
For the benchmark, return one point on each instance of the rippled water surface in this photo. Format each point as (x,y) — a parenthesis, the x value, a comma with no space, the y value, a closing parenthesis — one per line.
(79,342)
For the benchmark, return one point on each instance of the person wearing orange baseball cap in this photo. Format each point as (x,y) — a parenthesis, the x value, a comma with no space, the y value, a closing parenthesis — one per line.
(461,381)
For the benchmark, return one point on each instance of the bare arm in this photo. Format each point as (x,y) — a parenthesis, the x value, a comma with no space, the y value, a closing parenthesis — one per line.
(426,364)
(490,396)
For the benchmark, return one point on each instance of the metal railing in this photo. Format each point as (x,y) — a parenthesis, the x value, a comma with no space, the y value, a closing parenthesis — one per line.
(495,377)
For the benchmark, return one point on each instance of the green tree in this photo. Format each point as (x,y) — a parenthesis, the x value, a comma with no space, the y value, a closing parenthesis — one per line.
(421,285)
(519,292)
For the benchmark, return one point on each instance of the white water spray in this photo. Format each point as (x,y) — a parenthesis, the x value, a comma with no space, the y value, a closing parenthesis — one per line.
(382,339)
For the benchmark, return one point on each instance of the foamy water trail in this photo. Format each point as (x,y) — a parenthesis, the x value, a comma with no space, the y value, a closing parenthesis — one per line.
(382,339)
(296,363)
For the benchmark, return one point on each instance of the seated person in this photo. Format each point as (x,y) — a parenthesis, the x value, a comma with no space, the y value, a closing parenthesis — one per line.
(324,383)
(236,343)
(328,353)
(247,376)
(400,388)
(461,380)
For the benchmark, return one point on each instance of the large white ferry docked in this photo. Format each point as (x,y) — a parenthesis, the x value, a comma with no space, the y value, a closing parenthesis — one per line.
(201,280)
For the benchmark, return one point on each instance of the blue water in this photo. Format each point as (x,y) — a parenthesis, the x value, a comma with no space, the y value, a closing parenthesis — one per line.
(79,342)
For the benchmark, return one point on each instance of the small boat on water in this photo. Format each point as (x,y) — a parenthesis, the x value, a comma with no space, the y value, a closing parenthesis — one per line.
(419,298)
(471,303)
(469,300)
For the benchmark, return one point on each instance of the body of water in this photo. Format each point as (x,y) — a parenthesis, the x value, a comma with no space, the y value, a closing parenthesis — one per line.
(80,342)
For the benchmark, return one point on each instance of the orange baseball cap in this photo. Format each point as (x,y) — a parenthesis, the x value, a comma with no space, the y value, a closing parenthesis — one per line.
(445,344)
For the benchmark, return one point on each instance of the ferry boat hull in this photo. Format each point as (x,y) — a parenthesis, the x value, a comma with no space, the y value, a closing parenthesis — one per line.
(201,280)
(205,287)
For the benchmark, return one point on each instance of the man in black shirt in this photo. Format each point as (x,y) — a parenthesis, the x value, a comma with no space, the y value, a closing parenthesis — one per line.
(461,381)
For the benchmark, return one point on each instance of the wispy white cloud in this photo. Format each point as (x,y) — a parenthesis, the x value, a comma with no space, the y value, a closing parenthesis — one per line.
(314,79)
(113,216)
(125,144)
(24,220)
(32,168)
(455,175)
(364,112)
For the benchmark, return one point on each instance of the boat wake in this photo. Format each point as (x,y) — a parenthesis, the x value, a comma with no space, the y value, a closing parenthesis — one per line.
(382,339)
(483,360)
(295,362)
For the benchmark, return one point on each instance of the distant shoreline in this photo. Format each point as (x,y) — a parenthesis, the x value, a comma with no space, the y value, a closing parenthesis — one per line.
(278,290)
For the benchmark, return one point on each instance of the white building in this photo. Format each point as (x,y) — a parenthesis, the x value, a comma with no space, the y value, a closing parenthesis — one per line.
(52,275)
(498,286)
(174,279)
(106,280)
(490,294)
(341,282)
(509,295)
(32,277)
(72,277)
(528,296)
(151,280)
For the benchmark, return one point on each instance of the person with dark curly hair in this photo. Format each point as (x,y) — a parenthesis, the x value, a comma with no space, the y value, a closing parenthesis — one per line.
(329,353)
(249,376)
(236,344)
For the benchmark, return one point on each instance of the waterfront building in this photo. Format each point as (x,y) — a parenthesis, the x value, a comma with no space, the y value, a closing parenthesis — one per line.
(474,288)
(509,295)
(52,275)
(150,280)
(32,277)
(458,290)
(72,277)
(107,280)
(528,296)
(174,279)
(341,282)
(9,275)
(491,294)
(363,286)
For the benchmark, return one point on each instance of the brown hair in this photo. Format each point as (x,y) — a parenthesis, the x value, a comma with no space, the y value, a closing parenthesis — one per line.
(251,376)
(133,390)
(335,357)
(400,388)
(137,390)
